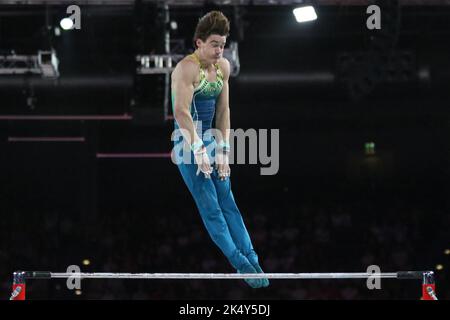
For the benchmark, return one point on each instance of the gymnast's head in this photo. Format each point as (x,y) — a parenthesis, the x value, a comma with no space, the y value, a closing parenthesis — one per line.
(211,35)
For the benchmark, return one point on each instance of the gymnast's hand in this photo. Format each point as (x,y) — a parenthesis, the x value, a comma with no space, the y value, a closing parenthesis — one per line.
(222,164)
(202,160)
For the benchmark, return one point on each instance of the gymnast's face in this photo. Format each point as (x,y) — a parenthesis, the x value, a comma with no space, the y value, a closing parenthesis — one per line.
(212,49)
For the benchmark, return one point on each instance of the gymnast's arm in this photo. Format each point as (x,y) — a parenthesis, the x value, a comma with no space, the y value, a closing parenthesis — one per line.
(223,107)
(183,78)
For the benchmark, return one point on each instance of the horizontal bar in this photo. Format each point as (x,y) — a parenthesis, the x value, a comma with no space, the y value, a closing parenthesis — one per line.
(133,155)
(66,117)
(46,139)
(223,275)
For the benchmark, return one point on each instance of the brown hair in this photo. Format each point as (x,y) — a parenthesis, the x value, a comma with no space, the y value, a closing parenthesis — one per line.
(214,22)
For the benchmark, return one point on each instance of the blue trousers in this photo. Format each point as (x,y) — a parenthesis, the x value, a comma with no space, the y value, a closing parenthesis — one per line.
(220,214)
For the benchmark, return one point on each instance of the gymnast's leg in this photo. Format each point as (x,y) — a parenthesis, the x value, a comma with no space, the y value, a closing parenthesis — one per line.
(235,222)
(205,196)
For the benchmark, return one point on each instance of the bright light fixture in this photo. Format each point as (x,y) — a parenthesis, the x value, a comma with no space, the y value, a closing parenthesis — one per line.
(66,23)
(304,14)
